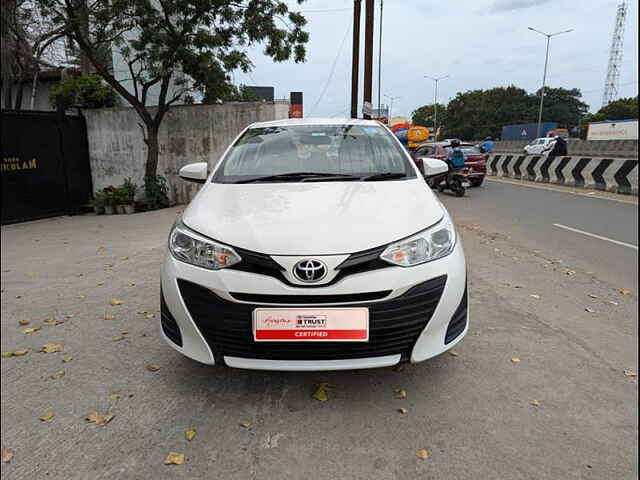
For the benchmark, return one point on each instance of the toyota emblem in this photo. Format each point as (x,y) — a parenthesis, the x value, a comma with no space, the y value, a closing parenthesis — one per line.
(310,270)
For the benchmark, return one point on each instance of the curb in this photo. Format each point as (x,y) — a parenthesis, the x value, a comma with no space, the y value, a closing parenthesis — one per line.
(617,175)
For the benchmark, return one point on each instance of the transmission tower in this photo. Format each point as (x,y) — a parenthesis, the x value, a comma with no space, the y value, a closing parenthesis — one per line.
(615,56)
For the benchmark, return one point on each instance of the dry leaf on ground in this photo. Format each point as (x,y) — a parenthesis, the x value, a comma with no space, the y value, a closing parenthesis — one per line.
(174,458)
(30,330)
(322,392)
(403,411)
(7,354)
(116,396)
(50,348)
(52,321)
(67,359)
(629,372)
(132,284)
(515,360)
(118,338)
(423,454)
(116,301)
(20,352)
(6,455)
(246,424)
(57,375)
(101,250)
(399,393)
(190,435)
(537,297)
(47,416)
(535,403)
(107,316)
(625,292)
(98,418)
(593,296)
(589,310)
(152,367)
(453,353)
(23,322)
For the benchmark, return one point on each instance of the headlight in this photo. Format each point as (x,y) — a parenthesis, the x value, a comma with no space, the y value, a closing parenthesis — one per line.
(426,246)
(189,247)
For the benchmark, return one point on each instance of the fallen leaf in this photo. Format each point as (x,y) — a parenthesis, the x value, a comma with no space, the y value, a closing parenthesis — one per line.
(116,301)
(20,353)
(423,454)
(535,403)
(132,284)
(124,332)
(6,354)
(590,310)
(149,315)
(246,424)
(400,394)
(625,292)
(50,348)
(190,435)
(515,360)
(23,322)
(67,359)
(117,338)
(57,375)
(99,284)
(611,302)
(6,455)
(630,373)
(537,297)
(101,250)
(322,392)
(453,353)
(107,316)
(593,296)
(174,458)
(403,411)
(31,330)
(152,367)
(52,321)
(116,396)
(571,273)
(98,418)
(47,416)
(18,296)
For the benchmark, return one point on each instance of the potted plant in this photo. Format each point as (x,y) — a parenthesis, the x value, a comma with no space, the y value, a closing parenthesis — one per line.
(109,200)
(129,193)
(119,196)
(98,202)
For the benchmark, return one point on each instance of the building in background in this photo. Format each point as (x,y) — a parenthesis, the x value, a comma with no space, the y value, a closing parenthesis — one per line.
(526,131)
(613,130)
(263,93)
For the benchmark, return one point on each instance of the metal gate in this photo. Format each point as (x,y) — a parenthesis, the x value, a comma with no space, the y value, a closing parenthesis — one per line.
(45,165)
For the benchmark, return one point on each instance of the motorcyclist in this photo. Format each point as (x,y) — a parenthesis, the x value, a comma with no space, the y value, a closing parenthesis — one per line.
(455,156)
(487,145)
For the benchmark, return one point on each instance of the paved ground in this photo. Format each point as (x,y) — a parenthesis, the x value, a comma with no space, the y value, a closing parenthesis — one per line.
(566,411)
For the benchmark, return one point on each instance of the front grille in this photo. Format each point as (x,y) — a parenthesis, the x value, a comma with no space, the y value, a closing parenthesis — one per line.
(309,299)
(394,326)
(459,320)
(263,264)
(168,323)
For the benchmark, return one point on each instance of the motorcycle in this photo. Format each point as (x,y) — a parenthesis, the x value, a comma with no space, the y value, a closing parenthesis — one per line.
(455,180)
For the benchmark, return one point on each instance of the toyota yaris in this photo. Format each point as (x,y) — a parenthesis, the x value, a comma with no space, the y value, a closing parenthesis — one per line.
(314,245)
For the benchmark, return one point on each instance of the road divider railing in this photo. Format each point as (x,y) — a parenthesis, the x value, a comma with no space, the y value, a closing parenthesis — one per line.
(597,173)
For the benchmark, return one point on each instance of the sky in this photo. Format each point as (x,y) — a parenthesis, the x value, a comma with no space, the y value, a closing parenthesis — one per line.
(479,43)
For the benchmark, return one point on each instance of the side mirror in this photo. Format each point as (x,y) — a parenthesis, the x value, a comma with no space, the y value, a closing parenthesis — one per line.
(434,167)
(194,172)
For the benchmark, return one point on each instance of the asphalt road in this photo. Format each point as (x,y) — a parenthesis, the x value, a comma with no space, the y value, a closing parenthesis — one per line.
(565,411)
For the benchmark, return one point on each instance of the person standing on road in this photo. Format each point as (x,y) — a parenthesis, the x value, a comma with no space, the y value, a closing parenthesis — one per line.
(487,145)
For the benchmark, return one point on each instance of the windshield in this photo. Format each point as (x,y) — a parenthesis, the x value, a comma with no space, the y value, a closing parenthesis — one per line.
(322,152)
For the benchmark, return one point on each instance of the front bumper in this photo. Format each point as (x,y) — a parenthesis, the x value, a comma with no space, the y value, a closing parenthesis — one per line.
(423,313)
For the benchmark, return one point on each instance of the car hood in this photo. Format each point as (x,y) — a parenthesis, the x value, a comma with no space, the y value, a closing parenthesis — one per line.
(312,218)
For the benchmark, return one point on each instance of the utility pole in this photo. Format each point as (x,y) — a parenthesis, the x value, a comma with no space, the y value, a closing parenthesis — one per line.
(391,106)
(368,58)
(544,75)
(355,65)
(435,104)
(380,62)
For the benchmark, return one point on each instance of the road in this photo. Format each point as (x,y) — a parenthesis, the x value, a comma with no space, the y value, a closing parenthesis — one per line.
(565,410)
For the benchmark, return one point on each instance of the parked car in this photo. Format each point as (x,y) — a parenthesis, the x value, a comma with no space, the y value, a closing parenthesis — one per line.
(475,161)
(295,255)
(538,146)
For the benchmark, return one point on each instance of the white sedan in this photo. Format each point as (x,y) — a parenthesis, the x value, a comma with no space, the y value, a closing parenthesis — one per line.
(539,146)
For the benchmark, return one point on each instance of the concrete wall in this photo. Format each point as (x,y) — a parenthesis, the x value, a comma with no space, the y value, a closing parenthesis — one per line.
(189,133)
(609,148)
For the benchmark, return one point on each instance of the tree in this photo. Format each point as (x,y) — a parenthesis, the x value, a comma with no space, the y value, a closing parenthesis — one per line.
(424,115)
(86,90)
(563,106)
(176,46)
(621,109)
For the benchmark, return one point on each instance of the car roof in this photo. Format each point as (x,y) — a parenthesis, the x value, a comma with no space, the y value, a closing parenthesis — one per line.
(316,121)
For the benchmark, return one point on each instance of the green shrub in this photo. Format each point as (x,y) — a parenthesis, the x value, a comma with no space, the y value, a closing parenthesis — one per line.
(156,192)
(129,190)
(85,90)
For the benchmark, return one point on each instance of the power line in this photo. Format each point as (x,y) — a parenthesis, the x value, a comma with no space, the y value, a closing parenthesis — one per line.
(333,69)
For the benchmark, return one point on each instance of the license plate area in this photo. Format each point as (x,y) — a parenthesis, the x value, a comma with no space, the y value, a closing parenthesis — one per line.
(311,324)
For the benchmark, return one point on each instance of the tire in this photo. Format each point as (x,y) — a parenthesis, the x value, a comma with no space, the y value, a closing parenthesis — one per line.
(476,182)
(458,189)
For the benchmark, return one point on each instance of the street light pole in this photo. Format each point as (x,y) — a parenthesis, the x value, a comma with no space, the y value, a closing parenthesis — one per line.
(380,62)
(544,75)
(391,106)
(435,103)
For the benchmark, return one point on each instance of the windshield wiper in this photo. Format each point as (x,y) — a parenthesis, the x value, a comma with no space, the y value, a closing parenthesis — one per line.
(383,176)
(301,176)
